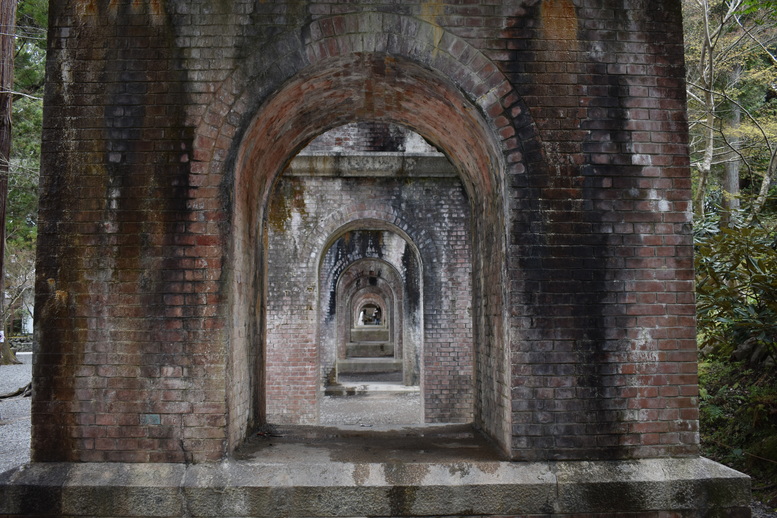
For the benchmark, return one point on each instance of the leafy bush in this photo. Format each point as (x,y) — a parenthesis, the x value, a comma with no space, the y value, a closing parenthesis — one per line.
(738,419)
(736,287)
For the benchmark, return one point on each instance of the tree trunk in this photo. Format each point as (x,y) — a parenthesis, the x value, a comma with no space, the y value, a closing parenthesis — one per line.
(730,186)
(705,167)
(7,47)
(730,181)
(766,184)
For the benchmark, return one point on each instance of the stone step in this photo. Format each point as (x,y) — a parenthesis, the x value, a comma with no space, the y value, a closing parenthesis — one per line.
(368,365)
(369,350)
(369,334)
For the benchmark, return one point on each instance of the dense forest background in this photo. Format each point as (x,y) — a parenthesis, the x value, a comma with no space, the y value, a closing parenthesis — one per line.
(731,71)
(731,60)
(22,166)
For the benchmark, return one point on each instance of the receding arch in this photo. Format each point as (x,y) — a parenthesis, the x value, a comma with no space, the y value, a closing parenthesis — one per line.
(406,318)
(245,94)
(362,284)
(374,311)
(380,87)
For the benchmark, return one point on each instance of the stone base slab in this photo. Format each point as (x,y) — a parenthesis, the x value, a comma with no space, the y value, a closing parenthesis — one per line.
(687,486)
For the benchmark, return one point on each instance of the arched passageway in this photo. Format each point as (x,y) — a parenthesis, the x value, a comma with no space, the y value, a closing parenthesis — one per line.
(372,263)
(351,89)
(369,324)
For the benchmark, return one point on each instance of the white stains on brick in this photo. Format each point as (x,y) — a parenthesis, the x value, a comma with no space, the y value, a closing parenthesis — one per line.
(638,159)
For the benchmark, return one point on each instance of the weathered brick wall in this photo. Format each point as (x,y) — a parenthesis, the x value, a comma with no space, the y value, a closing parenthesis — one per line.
(167,123)
(128,304)
(611,269)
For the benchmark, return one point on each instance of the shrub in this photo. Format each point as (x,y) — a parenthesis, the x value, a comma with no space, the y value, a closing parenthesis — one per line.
(736,287)
(738,418)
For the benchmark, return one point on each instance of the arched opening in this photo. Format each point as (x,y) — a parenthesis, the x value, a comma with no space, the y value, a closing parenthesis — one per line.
(374,291)
(360,348)
(369,350)
(369,315)
(367,87)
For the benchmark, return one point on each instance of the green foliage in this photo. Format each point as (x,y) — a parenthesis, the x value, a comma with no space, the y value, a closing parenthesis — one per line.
(30,55)
(766,9)
(24,163)
(736,286)
(731,64)
(29,75)
(28,120)
(738,417)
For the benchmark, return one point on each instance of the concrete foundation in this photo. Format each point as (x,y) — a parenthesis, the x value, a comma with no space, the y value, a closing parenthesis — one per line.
(315,479)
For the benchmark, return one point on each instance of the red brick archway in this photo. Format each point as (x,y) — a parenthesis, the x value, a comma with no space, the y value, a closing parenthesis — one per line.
(168,123)
(376,86)
(167,127)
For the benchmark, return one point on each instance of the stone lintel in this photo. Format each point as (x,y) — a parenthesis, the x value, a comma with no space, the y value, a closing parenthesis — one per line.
(379,164)
(688,486)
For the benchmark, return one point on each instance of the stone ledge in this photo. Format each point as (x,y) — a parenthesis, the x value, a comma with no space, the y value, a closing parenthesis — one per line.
(359,164)
(689,486)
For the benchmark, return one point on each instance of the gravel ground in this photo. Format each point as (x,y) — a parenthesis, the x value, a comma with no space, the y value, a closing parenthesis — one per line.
(362,410)
(761,511)
(15,414)
(372,409)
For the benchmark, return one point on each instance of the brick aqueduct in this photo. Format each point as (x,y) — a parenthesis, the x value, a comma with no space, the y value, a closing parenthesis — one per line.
(199,274)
